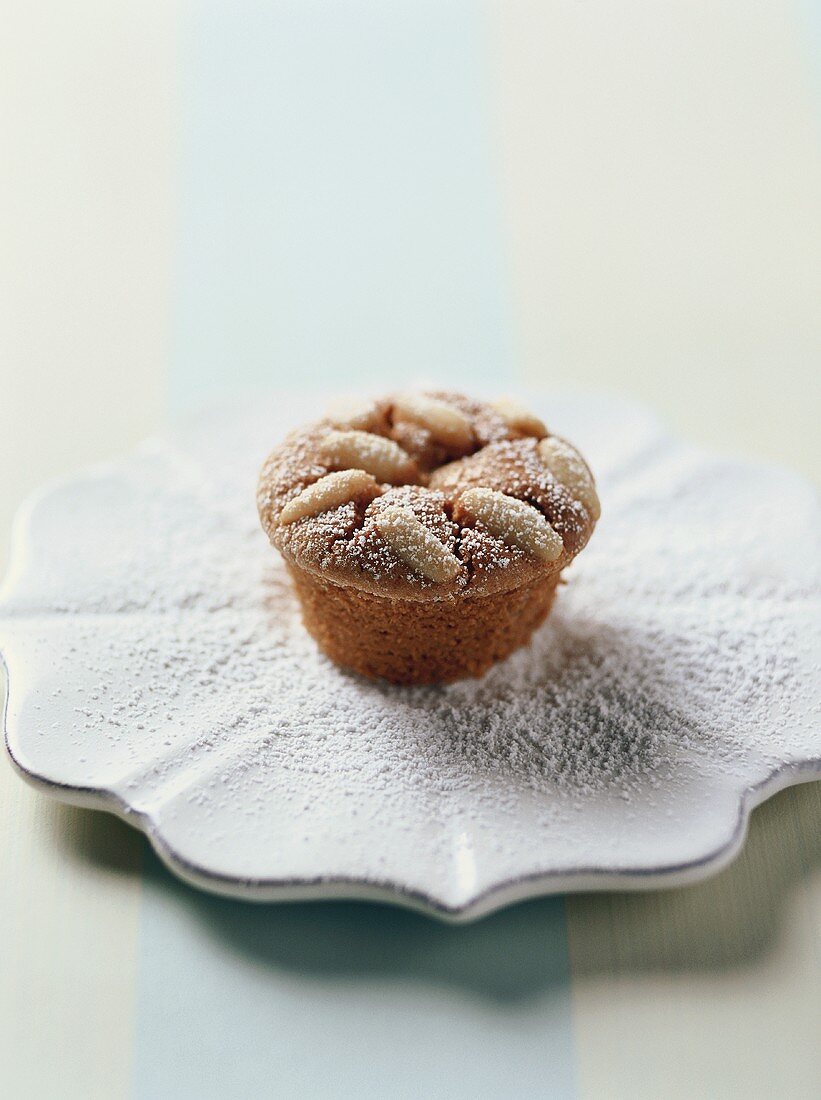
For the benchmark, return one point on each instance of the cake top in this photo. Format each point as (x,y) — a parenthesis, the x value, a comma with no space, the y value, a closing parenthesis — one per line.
(427,495)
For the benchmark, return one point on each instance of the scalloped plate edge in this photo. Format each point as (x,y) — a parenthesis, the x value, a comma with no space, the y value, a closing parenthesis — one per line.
(504,893)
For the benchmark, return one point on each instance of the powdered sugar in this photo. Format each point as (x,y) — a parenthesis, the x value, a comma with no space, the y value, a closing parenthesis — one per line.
(163,657)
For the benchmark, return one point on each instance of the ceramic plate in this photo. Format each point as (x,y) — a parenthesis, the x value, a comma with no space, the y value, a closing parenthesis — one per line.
(157,669)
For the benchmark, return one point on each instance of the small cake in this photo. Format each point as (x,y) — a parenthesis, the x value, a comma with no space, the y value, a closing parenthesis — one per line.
(426,533)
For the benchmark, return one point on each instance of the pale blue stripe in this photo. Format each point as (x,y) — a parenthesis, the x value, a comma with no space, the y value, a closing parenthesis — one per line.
(340,225)
(348,1000)
(339,219)
(809,29)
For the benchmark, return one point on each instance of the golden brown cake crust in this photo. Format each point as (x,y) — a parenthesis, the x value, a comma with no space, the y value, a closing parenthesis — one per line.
(416,642)
(422,536)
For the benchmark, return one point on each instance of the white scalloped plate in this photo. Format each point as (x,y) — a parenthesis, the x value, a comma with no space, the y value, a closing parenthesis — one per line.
(157,670)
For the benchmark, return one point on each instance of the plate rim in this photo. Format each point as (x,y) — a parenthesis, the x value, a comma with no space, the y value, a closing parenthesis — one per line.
(503,892)
(508,891)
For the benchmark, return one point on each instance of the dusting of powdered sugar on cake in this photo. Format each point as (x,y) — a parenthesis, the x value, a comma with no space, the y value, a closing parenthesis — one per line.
(162,639)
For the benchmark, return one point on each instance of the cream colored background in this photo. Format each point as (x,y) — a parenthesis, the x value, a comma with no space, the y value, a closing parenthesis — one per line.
(88,118)
(670,202)
(662,165)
